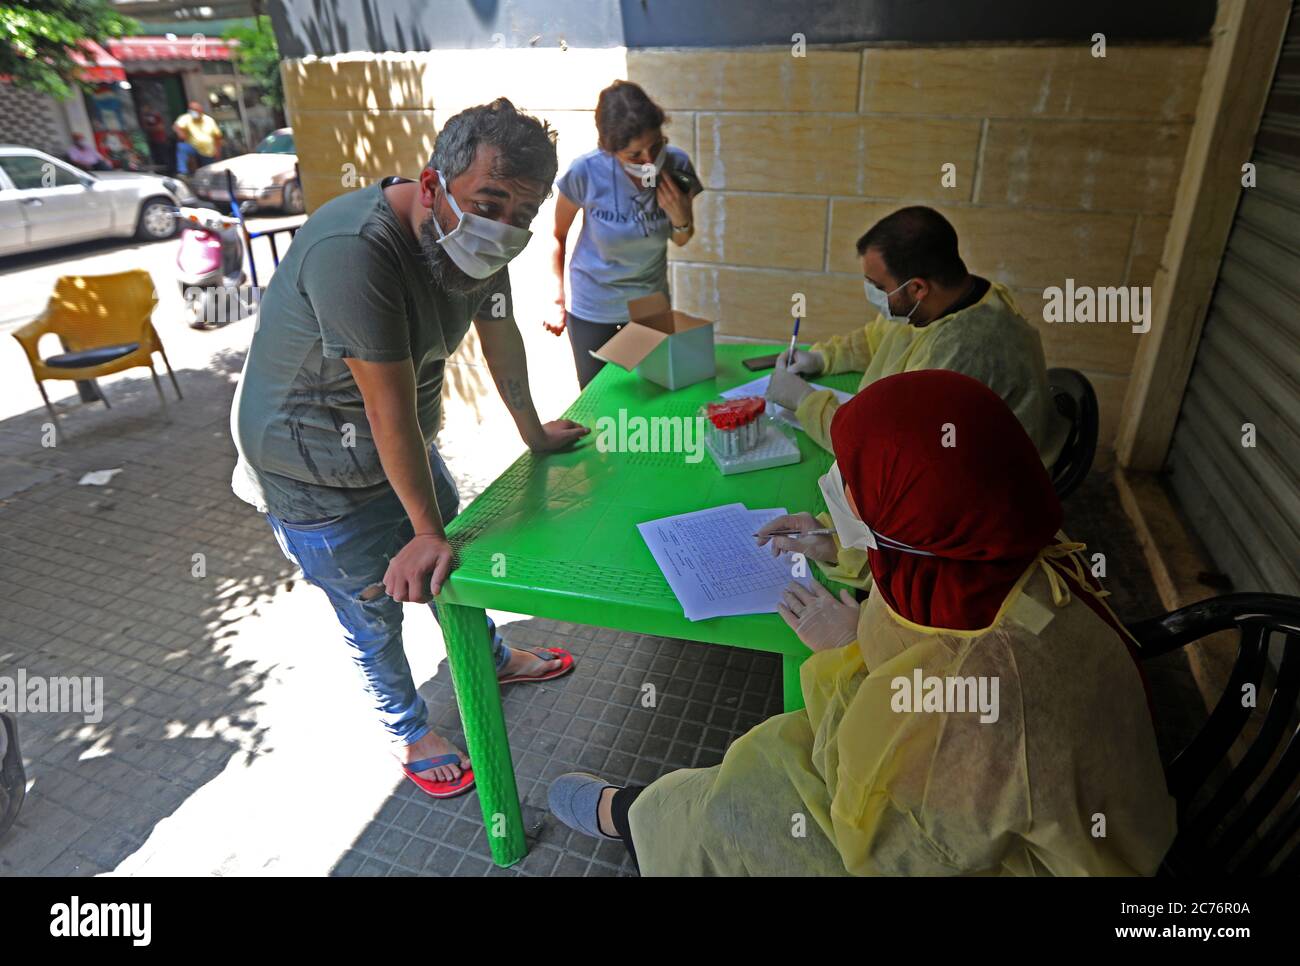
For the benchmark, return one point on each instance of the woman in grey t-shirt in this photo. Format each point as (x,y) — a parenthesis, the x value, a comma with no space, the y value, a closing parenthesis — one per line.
(635,191)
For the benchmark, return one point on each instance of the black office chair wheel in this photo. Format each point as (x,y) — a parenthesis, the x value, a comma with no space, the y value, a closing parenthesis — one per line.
(1076,401)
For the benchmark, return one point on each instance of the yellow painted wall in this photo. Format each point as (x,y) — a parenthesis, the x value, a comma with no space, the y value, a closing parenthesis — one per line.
(1066,164)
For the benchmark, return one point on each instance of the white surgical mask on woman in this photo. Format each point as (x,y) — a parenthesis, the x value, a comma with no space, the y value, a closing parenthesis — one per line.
(641,172)
(851,531)
(879,299)
(479,246)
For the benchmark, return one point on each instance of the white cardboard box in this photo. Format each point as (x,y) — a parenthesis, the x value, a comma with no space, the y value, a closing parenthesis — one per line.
(667,347)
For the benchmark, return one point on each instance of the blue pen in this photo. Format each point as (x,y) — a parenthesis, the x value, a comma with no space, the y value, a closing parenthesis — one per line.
(789,361)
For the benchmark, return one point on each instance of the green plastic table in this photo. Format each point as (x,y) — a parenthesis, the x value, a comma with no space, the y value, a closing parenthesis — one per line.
(555,536)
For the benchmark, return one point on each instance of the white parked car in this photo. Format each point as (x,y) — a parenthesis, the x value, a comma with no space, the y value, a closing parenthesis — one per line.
(46,202)
(267,178)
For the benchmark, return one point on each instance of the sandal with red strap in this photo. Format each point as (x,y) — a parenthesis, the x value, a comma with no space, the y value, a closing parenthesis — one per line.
(560,654)
(436,788)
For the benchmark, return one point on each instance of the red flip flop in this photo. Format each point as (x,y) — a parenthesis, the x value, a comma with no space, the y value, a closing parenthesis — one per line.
(566,665)
(440,789)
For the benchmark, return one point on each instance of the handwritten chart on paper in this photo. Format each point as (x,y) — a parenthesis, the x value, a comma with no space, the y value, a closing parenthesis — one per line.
(713,565)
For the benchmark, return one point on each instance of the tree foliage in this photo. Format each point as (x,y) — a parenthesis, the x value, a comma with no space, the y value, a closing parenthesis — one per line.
(38,37)
(258,57)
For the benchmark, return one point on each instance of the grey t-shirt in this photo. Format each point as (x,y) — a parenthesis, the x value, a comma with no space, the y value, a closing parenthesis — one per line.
(622,251)
(353,285)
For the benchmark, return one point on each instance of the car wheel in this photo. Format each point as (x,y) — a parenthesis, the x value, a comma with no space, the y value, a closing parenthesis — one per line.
(293,202)
(157,219)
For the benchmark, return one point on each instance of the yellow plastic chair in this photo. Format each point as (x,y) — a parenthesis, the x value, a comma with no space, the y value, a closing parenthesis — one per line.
(104,322)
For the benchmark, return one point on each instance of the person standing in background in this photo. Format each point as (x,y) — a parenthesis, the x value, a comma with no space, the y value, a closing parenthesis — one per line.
(198,139)
(155,132)
(636,192)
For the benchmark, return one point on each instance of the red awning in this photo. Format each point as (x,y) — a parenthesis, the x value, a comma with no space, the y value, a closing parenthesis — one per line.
(194,47)
(96,64)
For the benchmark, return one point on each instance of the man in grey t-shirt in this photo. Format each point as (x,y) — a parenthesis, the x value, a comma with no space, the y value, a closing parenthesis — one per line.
(340,399)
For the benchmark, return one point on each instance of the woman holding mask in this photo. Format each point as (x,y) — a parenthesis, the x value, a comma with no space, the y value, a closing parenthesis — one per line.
(1051,766)
(635,191)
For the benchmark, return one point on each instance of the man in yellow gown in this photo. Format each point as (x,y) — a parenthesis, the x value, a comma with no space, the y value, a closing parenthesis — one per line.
(931,313)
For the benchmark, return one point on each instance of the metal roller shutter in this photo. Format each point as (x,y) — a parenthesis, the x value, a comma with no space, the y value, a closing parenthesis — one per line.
(1245,502)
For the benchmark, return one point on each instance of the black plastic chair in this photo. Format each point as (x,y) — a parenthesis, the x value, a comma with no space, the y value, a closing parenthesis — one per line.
(1228,831)
(1077,402)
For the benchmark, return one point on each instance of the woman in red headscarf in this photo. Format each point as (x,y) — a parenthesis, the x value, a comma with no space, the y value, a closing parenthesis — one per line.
(980,713)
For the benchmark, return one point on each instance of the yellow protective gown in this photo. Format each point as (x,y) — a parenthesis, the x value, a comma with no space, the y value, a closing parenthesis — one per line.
(1066,781)
(990,341)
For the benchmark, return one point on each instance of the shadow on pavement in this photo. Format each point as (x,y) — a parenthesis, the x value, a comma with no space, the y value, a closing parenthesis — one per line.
(100,581)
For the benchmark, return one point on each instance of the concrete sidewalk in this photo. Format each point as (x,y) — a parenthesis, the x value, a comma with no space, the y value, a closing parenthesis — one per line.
(234,740)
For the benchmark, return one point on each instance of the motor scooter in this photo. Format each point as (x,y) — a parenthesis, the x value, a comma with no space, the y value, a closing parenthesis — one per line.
(210,268)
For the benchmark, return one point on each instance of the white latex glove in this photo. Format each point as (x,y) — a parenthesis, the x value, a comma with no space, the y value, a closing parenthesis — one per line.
(786,389)
(818,547)
(820,620)
(805,363)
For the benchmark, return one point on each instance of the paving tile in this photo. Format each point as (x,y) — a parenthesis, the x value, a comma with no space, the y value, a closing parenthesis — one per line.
(472,865)
(416,854)
(374,867)
(348,864)
(571,865)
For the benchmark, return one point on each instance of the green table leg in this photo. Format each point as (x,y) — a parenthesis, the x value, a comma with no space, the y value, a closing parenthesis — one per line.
(469,650)
(790,665)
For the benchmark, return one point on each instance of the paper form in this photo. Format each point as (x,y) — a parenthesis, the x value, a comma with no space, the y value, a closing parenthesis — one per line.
(711,562)
(758,387)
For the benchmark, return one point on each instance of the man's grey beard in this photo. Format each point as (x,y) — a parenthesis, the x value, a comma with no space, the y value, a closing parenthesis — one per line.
(446,274)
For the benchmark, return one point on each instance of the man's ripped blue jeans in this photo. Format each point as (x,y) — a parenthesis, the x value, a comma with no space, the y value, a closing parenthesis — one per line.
(343,556)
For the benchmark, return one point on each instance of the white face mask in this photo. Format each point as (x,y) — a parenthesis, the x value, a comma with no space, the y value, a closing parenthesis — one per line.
(852,531)
(642,173)
(479,246)
(194,113)
(879,300)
